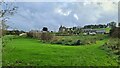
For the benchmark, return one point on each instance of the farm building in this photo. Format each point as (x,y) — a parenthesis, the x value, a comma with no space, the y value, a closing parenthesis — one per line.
(77,31)
(62,29)
(93,31)
(88,30)
(69,31)
(100,31)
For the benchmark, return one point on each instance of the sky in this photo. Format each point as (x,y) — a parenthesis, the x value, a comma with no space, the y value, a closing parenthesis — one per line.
(36,15)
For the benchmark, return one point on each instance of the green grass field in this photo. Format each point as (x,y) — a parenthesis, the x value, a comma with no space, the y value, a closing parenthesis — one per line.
(32,52)
(0,52)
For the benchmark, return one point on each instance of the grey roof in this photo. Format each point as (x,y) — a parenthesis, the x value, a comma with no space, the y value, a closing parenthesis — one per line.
(100,31)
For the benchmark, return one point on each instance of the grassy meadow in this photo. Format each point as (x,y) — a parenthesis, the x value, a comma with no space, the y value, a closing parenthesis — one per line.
(36,33)
(20,51)
(0,52)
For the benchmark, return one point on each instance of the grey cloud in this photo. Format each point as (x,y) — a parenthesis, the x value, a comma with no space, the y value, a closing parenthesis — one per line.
(37,15)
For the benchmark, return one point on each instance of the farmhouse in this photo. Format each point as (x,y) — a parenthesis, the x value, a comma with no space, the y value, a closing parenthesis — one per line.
(100,31)
(77,31)
(62,29)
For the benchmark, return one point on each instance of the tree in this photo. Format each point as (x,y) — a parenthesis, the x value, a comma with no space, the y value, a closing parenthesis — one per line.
(45,29)
(119,24)
(112,24)
(7,10)
(115,32)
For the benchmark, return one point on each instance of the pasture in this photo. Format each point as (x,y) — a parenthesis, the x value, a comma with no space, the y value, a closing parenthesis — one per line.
(0,52)
(18,51)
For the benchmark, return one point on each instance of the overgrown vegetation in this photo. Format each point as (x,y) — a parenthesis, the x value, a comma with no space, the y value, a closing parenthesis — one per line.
(77,40)
(115,32)
(113,48)
(113,44)
(44,36)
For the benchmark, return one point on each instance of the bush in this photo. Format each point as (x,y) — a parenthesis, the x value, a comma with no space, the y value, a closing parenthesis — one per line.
(78,42)
(115,32)
(93,41)
(45,36)
(58,42)
(0,33)
(34,35)
(113,48)
(30,34)
(64,42)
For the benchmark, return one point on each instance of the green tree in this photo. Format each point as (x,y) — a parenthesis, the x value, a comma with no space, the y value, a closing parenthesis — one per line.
(112,24)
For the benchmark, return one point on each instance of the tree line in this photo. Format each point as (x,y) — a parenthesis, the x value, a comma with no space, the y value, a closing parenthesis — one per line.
(110,25)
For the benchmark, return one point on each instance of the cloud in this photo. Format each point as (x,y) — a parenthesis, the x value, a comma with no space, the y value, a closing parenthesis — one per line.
(62,12)
(36,15)
(76,17)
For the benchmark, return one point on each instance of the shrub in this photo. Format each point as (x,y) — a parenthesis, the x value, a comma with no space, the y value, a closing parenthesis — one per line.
(115,32)
(0,33)
(78,42)
(54,40)
(30,34)
(69,40)
(34,35)
(58,42)
(113,48)
(45,36)
(93,41)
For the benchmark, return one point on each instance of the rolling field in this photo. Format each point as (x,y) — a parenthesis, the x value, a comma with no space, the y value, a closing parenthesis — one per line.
(32,52)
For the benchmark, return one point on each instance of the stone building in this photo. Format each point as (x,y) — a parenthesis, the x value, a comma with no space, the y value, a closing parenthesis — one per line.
(62,29)
(69,31)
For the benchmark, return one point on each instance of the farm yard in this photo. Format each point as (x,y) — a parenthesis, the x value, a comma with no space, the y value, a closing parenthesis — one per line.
(22,51)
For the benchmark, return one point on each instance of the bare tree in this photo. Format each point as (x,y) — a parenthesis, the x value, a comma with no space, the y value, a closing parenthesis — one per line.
(7,9)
